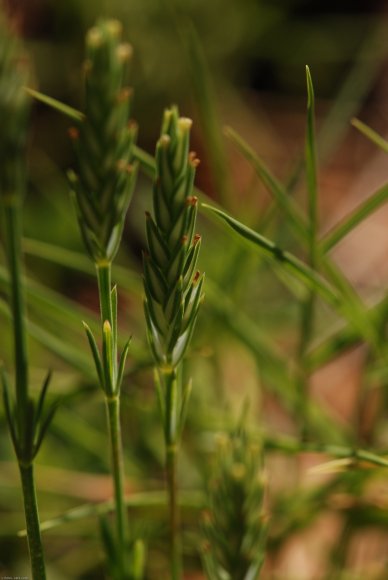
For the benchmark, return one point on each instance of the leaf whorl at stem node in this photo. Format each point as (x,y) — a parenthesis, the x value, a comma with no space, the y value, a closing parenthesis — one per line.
(173,287)
(106,172)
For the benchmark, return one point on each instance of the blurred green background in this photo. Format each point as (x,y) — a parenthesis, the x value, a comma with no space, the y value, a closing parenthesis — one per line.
(223,62)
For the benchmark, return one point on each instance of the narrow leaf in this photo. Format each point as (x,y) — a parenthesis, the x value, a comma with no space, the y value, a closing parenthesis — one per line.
(42,428)
(288,260)
(11,419)
(107,358)
(123,359)
(274,187)
(113,297)
(311,166)
(334,236)
(185,405)
(371,134)
(42,396)
(57,105)
(95,353)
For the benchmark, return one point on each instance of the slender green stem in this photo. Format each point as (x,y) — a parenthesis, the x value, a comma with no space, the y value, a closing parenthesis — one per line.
(113,410)
(13,240)
(172,487)
(104,276)
(13,232)
(112,400)
(32,522)
(171,441)
(308,305)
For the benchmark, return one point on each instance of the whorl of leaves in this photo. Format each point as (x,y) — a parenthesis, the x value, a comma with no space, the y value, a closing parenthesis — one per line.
(234,525)
(14,109)
(173,287)
(103,141)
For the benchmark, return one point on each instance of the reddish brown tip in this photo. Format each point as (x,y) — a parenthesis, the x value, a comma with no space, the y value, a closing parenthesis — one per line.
(193,159)
(192,200)
(73,133)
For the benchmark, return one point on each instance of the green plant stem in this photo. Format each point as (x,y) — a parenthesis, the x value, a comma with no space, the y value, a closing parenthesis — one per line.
(113,410)
(13,230)
(112,400)
(172,487)
(171,441)
(104,277)
(32,522)
(13,234)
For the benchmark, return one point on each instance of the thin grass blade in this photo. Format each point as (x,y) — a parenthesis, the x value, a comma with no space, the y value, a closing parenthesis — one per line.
(371,134)
(296,219)
(55,104)
(290,262)
(95,353)
(364,210)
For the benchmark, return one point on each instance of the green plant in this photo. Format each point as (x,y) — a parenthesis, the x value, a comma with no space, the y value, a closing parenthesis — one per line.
(234,523)
(27,419)
(173,289)
(102,189)
(278,309)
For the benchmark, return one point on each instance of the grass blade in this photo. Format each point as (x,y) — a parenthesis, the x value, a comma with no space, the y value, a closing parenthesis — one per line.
(371,134)
(55,104)
(311,166)
(334,236)
(290,262)
(295,218)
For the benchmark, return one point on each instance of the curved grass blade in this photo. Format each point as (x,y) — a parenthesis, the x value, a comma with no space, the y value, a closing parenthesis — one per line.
(311,163)
(190,501)
(290,262)
(371,134)
(334,236)
(79,262)
(296,219)
(57,105)
(71,355)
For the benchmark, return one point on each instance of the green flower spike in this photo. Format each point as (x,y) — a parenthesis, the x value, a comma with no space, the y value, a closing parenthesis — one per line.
(234,524)
(173,292)
(102,189)
(103,141)
(173,287)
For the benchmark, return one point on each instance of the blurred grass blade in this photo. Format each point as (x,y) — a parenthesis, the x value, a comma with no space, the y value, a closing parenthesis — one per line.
(355,87)
(152,500)
(340,295)
(55,104)
(371,134)
(74,356)
(311,166)
(79,262)
(205,100)
(334,236)
(291,445)
(95,352)
(290,262)
(295,218)
(354,307)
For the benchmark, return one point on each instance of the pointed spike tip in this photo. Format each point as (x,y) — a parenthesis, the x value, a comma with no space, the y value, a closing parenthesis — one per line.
(193,159)
(192,200)
(124,52)
(310,88)
(107,326)
(185,124)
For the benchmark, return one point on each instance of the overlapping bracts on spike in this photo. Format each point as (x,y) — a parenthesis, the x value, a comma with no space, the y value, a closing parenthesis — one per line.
(234,524)
(173,287)
(104,140)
